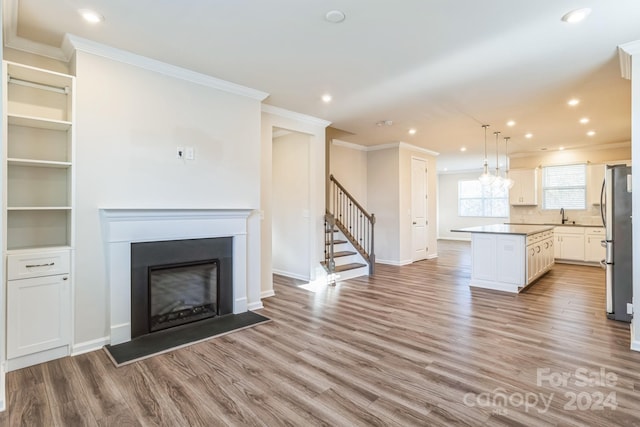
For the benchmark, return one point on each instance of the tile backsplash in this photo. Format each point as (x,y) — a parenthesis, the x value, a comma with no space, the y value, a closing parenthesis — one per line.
(536,215)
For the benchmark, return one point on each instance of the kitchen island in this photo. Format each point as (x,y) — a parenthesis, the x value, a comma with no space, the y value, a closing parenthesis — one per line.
(508,257)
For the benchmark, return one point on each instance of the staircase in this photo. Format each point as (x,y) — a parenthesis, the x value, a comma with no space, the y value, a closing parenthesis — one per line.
(348,263)
(349,250)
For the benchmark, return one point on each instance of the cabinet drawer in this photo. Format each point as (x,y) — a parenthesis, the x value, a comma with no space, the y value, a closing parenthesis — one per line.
(24,266)
(569,230)
(594,231)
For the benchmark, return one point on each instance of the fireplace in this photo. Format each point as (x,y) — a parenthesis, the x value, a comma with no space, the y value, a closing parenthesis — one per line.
(125,227)
(182,293)
(177,282)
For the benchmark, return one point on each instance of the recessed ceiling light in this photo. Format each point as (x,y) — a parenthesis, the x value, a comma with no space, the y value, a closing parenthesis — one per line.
(335,16)
(412,131)
(511,123)
(584,120)
(326,98)
(446,169)
(463,149)
(91,16)
(561,148)
(591,133)
(573,102)
(576,15)
(528,135)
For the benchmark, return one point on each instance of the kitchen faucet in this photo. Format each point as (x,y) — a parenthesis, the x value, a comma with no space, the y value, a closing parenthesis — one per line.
(562,215)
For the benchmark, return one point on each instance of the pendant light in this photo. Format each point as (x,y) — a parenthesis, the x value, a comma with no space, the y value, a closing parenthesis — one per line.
(498,181)
(508,182)
(486,178)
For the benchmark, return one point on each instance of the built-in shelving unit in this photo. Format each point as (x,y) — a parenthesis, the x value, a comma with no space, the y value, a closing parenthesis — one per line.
(38,204)
(38,193)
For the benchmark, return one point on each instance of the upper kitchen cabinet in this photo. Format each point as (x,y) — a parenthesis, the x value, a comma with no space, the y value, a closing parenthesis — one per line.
(525,187)
(595,176)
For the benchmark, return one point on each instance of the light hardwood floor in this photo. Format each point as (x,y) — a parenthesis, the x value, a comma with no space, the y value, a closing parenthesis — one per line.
(412,346)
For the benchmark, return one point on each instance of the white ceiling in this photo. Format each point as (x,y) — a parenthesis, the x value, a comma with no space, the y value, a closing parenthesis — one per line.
(443,67)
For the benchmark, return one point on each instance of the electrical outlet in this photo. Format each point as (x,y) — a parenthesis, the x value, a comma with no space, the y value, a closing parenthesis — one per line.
(629,308)
(180,153)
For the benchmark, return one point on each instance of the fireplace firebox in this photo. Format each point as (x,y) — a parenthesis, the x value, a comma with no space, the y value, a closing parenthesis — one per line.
(177,282)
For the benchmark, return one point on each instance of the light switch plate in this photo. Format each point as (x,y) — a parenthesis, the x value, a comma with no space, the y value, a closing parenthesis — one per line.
(190,152)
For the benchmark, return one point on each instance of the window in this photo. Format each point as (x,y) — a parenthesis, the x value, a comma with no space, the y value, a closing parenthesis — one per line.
(474,199)
(564,187)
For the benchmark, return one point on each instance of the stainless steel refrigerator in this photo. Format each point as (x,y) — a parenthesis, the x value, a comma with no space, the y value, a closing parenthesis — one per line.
(615,208)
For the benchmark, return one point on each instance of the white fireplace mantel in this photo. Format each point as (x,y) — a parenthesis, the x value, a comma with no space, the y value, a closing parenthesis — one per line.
(123,226)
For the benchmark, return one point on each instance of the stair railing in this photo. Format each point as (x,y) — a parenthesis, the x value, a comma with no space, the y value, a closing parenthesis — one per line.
(329,259)
(353,221)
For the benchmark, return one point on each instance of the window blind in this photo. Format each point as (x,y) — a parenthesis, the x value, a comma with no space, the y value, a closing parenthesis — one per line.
(564,186)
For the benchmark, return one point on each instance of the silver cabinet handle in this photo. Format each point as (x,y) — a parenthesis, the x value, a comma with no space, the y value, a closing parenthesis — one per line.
(40,265)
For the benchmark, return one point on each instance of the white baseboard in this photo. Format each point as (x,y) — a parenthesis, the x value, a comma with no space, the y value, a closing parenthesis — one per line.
(89,346)
(120,333)
(291,275)
(395,263)
(255,306)
(635,344)
(432,256)
(457,239)
(267,294)
(3,399)
(37,358)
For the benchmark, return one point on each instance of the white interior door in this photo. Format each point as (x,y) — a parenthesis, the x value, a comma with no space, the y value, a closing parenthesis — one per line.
(419,218)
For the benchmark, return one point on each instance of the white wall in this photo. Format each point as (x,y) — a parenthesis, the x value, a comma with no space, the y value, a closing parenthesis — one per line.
(290,223)
(129,122)
(448,217)
(383,200)
(349,167)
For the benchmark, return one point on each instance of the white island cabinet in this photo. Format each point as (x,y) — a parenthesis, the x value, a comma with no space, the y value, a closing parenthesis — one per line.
(509,257)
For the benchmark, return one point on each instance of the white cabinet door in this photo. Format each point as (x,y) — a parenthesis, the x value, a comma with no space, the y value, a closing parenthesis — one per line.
(594,186)
(525,187)
(557,246)
(483,254)
(510,259)
(593,250)
(38,314)
(573,247)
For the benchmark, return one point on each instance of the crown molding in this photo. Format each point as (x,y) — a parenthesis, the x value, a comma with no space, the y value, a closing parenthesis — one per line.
(625,52)
(404,145)
(349,145)
(408,146)
(73,43)
(299,117)
(390,145)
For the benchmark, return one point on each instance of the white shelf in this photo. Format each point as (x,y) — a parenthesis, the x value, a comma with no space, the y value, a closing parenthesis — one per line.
(38,163)
(39,208)
(38,75)
(38,122)
(36,249)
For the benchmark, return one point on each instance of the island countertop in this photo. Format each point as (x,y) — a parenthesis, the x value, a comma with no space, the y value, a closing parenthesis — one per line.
(520,229)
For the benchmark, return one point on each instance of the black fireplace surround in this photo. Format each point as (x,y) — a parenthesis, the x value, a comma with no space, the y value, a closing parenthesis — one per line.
(206,257)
